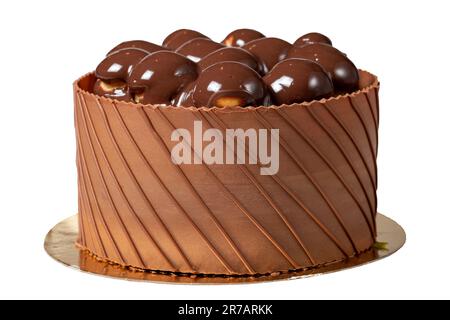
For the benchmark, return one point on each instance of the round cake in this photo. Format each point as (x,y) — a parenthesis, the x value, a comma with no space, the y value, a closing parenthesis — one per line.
(248,157)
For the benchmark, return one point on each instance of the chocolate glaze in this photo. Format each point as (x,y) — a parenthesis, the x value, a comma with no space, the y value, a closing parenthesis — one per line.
(231,54)
(312,37)
(159,77)
(113,89)
(229,84)
(260,54)
(239,37)
(177,38)
(269,51)
(139,44)
(184,97)
(342,71)
(198,48)
(298,80)
(118,65)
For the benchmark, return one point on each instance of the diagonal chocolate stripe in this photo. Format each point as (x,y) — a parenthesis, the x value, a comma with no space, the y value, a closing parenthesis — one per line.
(178,205)
(90,216)
(299,202)
(235,200)
(373,117)
(142,156)
(142,193)
(353,141)
(105,187)
(266,196)
(85,173)
(91,225)
(343,152)
(313,181)
(377,106)
(372,145)
(375,120)
(81,236)
(98,244)
(333,169)
(127,201)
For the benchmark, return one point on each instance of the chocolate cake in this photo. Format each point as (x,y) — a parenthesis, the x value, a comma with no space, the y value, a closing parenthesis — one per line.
(249,157)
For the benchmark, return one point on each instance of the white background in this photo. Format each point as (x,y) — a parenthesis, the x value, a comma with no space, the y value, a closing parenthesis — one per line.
(45,46)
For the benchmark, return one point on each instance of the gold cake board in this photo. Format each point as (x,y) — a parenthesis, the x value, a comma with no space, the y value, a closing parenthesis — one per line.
(60,245)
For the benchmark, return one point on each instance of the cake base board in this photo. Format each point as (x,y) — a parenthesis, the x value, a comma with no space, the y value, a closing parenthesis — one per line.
(60,245)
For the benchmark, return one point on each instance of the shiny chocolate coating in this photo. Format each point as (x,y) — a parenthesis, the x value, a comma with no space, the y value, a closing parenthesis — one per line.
(139,44)
(114,89)
(298,80)
(177,38)
(159,77)
(341,70)
(184,97)
(118,65)
(312,37)
(231,54)
(269,51)
(198,48)
(239,37)
(227,84)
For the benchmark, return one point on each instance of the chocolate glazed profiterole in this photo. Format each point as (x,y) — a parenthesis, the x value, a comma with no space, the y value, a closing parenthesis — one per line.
(198,48)
(113,72)
(312,37)
(269,51)
(293,80)
(227,84)
(232,54)
(239,37)
(177,38)
(342,71)
(139,44)
(157,78)
(316,205)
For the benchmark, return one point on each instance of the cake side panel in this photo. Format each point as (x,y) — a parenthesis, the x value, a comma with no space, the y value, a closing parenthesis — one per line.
(116,220)
(328,185)
(133,201)
(355,123)
(322,183)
